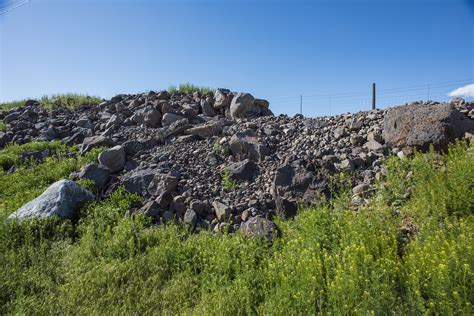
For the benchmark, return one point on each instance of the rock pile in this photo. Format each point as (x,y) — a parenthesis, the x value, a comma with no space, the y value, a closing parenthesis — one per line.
(222,161)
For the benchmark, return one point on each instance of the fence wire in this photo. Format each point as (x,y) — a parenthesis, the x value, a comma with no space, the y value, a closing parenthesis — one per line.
(313,105)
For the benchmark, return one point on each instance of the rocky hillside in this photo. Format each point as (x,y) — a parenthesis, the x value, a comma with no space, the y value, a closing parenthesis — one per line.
(222,160)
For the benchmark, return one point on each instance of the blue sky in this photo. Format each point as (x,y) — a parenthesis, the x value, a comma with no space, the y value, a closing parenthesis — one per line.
(273,49)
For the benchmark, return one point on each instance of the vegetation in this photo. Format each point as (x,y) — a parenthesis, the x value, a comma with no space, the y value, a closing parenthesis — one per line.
(328,260)
(228,184)
(219,148)
(189,88)
(30,178)
(68,101)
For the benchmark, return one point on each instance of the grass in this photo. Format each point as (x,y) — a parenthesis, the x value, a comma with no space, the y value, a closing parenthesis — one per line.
(3,126)
(67,100)
(190,88)
(327,261)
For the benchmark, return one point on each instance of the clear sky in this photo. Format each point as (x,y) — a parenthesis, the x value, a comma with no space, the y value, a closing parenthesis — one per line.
(273,49)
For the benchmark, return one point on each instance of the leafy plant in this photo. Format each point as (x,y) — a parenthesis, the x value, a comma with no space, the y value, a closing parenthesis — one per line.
(229,184)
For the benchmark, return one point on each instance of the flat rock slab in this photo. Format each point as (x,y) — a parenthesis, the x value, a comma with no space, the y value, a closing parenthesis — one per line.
(63,199)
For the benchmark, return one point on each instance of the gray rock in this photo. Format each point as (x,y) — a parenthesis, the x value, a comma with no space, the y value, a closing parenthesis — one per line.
(205,130)
(245,170)
(5,138)
(95,141)
(162,183)
(245,145)
(257,227)
(207,109)
(421,125)
(63,199)
(152,209)
(222,211)
(170,118)
(113,158)
(373,146)
(149,116)
(222,97)
(11,117)
(97,173)
(242,106)
(190,217)
(137,181)
(115,120)
(360,188)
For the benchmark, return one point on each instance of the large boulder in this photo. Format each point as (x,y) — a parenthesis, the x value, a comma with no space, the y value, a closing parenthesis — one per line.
(149,116)
(63,198)
(245,145)
(422,125)
(242,106)
(113,158)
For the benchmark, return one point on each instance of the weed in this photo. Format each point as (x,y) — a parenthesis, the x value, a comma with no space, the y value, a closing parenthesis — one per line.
(229,184)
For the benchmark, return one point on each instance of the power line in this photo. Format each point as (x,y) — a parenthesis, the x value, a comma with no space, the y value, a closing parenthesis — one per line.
(13,5)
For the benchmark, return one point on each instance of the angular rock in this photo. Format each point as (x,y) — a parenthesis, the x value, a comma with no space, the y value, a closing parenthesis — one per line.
(421,125)
(207,109)
(5,138)
(162,183)
(223,212)
(190,217)
(205,130)
(242,106)
(95,141)
(170,118)
(245,145)
(257,227)
(113,158)
(97,173)
(245,170)
(149,116)
(152,209)
(63,199)
(222,98)
(137,181)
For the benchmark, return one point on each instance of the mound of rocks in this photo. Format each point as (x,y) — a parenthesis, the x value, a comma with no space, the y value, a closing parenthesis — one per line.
(222,161)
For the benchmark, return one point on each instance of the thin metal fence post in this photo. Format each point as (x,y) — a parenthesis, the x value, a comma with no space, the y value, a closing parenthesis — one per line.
(301,104)
(373,96)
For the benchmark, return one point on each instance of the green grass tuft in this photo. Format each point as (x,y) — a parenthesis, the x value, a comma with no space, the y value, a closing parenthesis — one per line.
(190,88)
